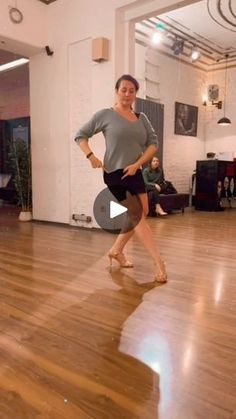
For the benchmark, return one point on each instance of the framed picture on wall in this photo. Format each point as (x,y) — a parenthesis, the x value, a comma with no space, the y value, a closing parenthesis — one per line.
(186,119)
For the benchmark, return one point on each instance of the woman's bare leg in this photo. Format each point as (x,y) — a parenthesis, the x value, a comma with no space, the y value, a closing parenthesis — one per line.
(144,233)
(123,238)
(116,252)
(133,215)
(134,210)
(121,241)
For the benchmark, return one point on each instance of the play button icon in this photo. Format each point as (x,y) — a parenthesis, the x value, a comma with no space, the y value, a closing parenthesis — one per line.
(116,209)
(115,217)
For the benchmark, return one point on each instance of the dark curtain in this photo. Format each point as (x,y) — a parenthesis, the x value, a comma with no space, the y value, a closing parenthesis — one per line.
(155,113)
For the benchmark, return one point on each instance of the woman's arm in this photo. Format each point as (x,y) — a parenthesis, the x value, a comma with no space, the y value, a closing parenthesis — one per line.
(90,128)
(146,156)
(84,145)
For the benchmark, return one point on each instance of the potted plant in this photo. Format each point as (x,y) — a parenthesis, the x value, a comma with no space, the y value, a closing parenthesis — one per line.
(20,162)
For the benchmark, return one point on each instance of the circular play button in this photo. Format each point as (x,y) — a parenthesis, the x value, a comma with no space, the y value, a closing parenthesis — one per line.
(116,217)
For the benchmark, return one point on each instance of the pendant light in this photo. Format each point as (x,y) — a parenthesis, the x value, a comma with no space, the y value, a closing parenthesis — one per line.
(225,121)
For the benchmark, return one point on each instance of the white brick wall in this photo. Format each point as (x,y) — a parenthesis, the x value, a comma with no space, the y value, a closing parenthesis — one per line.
(178,83)
(84,180)
(182,83)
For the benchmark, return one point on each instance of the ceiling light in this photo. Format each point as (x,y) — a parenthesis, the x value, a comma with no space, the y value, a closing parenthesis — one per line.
(195,55)
(156,38)
(13,64)
(225,121)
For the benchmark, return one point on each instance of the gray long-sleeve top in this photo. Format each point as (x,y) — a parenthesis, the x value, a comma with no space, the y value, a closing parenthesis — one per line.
(125,140)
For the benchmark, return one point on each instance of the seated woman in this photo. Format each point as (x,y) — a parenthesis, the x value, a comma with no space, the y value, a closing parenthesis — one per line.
(153,176)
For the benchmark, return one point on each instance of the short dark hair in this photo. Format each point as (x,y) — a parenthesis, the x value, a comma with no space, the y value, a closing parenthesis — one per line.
(129,78)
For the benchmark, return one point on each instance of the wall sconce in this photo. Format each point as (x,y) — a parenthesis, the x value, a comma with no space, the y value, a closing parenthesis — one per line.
(212,96)
(204,99)
(217,104)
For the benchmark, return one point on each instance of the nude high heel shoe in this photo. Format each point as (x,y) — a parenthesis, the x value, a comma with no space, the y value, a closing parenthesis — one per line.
(160,211)
(161,275)
(120,258)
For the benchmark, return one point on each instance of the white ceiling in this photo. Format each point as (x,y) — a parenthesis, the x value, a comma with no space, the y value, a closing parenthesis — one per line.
(209,25)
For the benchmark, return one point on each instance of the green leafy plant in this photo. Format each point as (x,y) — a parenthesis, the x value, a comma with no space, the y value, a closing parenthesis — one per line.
(19,160)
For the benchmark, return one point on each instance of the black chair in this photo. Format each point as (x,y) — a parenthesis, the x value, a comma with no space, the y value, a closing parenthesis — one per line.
(169,203)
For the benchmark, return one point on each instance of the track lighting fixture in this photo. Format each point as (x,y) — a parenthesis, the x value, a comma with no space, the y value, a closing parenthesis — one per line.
(178,46)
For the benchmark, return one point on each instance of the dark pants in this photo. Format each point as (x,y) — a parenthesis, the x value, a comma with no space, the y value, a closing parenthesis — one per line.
(153,200)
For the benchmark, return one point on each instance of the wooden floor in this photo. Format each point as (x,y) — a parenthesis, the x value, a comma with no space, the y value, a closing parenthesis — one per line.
(78,341)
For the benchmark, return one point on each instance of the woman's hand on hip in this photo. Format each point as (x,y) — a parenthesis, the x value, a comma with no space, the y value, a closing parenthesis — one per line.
(130,170)
(95,162)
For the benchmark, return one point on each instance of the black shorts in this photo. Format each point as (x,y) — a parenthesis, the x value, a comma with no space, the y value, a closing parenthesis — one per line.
(119,187)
